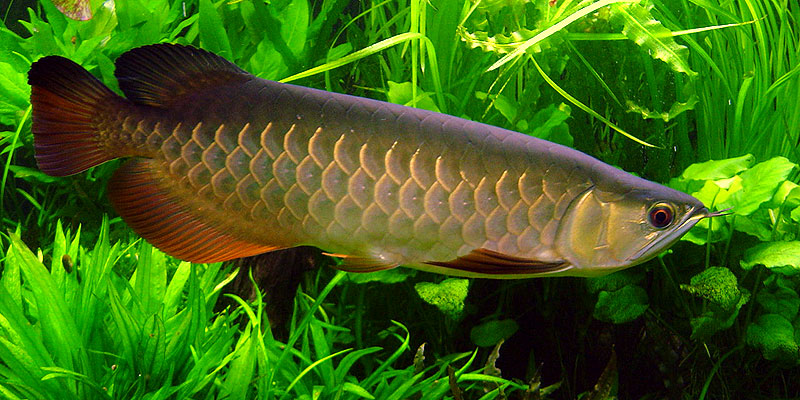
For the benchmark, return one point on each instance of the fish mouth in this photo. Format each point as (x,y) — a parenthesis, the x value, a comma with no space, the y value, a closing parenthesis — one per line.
(653,248)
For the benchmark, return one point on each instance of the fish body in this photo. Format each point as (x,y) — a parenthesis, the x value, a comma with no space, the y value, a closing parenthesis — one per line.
(224,164)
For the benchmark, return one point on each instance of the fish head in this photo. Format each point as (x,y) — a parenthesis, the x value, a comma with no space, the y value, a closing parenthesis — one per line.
(607,229)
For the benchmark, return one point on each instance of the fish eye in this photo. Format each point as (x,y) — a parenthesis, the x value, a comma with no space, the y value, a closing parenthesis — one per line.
(660,215)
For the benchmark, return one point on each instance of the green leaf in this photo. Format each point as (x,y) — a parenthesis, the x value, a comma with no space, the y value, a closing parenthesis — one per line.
(14,94)
(401,93)
(549,124)
(718,169)
(615,281)
(492,332)
(774,336)
(502,43)
(294,25)
(359,391)
(76,9)
(720,288)
(448,296)
(212,31)
(780,297)
(58,325)
(640,27)
(780,257)
(759,184)
(621,306)
(388,276)
(675,110)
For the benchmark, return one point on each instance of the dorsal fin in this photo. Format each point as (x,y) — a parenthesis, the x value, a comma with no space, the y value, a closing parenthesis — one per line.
(162,74)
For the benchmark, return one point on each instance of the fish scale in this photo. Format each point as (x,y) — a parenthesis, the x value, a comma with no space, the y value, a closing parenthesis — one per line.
(303,185)
(224,164)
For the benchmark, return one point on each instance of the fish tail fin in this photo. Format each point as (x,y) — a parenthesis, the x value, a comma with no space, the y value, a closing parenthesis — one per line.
(65,99)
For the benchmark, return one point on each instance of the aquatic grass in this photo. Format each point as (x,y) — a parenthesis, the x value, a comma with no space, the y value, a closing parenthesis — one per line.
(81,330)
(752,87)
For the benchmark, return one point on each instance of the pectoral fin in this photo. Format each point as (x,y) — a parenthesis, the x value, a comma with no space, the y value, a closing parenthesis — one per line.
(488,263)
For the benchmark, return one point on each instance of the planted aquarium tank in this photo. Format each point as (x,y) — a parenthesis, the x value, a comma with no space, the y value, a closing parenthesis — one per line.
(697,95)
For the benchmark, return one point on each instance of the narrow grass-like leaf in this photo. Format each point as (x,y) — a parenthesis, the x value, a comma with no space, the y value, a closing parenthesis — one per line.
(302,326)
(58,327)
(310,368)
(553,29)
(584,107)
(367,51)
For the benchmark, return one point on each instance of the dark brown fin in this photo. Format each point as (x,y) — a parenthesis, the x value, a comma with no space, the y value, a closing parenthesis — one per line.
(65,97)
(488,262)
(163,74)
(360,264)
(167,223)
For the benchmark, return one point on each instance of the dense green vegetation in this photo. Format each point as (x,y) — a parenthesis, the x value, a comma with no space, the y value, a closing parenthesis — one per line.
(88,310)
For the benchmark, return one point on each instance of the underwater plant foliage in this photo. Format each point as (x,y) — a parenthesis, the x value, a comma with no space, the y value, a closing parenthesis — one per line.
(698,95)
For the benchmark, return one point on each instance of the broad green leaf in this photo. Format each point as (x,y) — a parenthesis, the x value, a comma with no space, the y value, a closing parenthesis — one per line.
(448,296)
(394,275)
(677,108)
(774,336)
(615,281)
(779,297)
(31,174)
(759,184)
(401,93)
(640,27)
(787,195)
(212,30)
(267,62)
(621,306)
(780,257)
(550,124)
(14,94)
(294,25)
(710,193)
(718,169)
(712,321)
(75,9)
(758,224)
(492,332)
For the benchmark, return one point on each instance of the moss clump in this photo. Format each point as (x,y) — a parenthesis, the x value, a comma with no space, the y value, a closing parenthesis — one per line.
(448,296)
(717,285)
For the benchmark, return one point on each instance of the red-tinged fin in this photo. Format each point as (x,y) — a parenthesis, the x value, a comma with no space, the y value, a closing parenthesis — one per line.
(65,97)
(491,263)
(163,74)
(167,223)
(360,264)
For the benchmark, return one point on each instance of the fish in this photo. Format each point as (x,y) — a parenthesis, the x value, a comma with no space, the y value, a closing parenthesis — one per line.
(220,164)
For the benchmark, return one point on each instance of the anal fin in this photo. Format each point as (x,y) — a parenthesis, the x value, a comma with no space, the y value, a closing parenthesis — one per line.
(359,264)
(165,221)
(488,263)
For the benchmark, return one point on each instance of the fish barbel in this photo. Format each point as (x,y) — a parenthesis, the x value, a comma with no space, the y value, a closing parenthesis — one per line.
(223,164)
